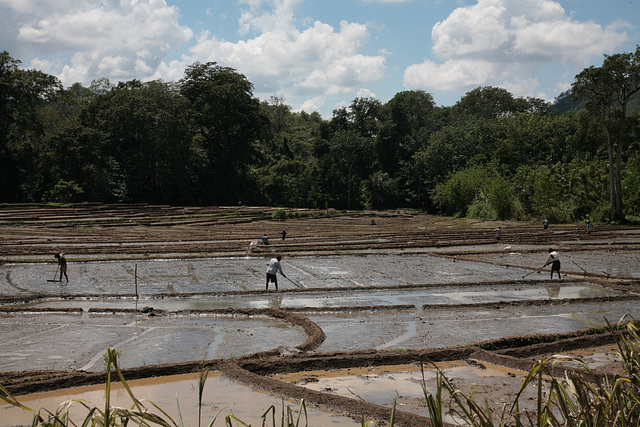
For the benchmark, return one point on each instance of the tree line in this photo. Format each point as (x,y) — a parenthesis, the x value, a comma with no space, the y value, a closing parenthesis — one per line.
(207,140)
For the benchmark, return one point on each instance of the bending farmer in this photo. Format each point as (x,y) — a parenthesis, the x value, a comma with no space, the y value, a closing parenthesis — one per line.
(554,260)
(273,267)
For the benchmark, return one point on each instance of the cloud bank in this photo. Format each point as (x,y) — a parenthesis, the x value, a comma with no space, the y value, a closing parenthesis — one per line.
(309,62)
(498,42)
(120,40)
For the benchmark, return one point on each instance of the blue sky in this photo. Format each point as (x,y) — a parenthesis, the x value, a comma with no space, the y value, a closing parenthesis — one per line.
(321,54)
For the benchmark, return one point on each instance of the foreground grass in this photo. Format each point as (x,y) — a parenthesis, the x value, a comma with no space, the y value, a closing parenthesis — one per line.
(577,399)
(584,399)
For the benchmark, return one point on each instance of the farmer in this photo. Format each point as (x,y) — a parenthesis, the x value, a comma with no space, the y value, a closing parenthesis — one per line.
(589,227)
(284,234)
(265,240)
(62,263)
(545,223)
(498,232)
(554,260)
(273,268)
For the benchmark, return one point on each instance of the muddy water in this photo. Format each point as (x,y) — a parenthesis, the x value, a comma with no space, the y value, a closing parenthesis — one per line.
(383,384)
(220,395)
(605,358)
(446,294)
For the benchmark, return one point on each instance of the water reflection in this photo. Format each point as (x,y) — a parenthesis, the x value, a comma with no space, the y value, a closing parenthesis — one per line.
(275,301)
(553,291)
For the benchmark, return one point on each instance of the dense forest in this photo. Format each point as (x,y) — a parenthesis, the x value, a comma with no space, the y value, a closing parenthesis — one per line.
(207,140)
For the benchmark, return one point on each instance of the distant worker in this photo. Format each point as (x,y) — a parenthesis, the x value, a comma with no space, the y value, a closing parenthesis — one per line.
(265,240)
(545,223)
(62,263)
(272,269)
(589,227)
(554,260)
(498,232)
(284,234)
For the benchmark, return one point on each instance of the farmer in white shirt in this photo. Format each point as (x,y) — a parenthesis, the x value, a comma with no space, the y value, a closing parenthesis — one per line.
(273,267)
(554,260)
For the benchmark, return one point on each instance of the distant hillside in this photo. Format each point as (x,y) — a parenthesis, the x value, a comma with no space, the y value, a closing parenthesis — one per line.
(565,103)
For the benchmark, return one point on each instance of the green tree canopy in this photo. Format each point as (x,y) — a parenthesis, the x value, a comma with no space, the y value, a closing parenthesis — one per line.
(608,90)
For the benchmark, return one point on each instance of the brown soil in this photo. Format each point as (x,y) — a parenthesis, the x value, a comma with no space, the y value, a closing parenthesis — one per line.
(125,232)
(141,231)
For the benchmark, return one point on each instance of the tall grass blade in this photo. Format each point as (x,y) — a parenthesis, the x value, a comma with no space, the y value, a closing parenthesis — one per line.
(202,380)
(434,404)
(392,421)
(8,398)
(272,410)
(231,417)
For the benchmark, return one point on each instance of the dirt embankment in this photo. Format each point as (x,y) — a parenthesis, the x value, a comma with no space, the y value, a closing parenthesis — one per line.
(141,231)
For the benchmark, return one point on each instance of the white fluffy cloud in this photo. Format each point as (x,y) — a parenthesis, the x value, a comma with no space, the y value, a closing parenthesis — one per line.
(495,41)
(316,60)
(116,39)
(280,53)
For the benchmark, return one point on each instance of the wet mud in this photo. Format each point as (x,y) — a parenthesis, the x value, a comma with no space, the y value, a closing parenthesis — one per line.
(374,295)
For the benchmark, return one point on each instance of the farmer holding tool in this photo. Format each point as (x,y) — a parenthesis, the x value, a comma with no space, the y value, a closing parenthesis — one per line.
(273,267)
(554,260)
(62,263)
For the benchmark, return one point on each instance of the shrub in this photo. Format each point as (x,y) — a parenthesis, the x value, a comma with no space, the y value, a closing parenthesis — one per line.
(279,215)
(65,192)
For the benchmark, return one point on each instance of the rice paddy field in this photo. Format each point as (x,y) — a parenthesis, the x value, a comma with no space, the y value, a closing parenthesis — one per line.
(367,297)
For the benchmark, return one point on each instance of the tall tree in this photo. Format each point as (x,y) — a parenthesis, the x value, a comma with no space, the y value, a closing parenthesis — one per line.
(352,158)
(23,93)
(490,102)
(608,90)
(410,119)
(148,136)
(228,124)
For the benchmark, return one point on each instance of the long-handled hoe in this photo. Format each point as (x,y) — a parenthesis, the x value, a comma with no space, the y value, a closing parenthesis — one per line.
(297,286)
(55,275)
(585,271)
(535,271)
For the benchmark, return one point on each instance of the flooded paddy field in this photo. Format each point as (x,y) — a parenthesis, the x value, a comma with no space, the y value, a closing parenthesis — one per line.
(179,276)
(78,341)
(177,289)
(171,330)
(415,329)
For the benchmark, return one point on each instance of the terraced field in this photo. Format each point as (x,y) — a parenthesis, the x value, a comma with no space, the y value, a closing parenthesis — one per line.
(179,287)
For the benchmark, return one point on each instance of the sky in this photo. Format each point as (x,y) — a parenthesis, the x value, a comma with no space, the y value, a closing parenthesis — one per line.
(320,55)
